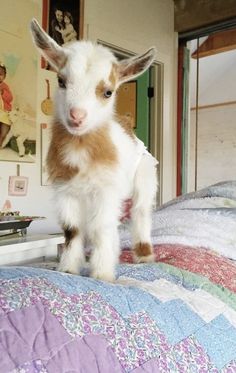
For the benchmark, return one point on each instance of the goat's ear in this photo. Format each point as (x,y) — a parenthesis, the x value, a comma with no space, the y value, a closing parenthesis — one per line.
(130,68)
(53,53)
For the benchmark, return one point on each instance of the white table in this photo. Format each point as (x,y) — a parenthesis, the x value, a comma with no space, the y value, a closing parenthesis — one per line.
(28,248)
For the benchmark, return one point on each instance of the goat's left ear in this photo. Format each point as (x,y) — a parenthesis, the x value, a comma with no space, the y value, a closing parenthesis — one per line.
(130,68)
(53,52)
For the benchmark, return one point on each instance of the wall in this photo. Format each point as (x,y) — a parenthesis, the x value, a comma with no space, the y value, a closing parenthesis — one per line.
(134,25)
(217,76)
(190,15)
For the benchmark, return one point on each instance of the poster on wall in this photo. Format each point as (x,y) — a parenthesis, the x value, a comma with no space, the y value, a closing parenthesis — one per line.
(18,74)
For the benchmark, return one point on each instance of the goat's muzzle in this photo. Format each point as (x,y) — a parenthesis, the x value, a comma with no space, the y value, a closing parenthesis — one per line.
(77,117)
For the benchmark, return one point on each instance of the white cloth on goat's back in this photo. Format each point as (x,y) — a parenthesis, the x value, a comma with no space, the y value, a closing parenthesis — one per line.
(142,150)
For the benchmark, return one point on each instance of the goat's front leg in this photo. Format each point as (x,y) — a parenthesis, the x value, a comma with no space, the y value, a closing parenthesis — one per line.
(72,258)
(105,240)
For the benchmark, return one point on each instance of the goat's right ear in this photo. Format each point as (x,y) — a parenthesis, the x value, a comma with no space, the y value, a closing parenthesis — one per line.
(131,68)
(53,53)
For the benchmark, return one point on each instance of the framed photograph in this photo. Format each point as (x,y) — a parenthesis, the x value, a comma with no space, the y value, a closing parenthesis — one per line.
(63,21)
(17,186)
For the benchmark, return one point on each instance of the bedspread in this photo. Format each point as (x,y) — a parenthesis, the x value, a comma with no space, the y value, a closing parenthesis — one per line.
(175,315)
(205,218)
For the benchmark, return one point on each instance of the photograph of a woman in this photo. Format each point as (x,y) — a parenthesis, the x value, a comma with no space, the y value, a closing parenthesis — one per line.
(65,21)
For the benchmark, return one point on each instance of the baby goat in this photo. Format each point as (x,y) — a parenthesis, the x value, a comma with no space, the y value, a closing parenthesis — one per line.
(94,161)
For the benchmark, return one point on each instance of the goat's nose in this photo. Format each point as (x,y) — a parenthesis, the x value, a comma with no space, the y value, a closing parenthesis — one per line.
(78,115)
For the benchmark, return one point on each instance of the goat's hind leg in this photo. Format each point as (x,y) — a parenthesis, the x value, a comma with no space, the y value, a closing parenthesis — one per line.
(145,188)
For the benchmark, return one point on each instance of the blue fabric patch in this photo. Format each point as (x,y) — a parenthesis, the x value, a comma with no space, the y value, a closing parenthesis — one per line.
(142,272)
(151,272)
(218,339)
(125,299)
(176,320)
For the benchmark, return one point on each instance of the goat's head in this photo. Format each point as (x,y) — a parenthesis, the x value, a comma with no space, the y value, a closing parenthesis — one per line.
(88,77)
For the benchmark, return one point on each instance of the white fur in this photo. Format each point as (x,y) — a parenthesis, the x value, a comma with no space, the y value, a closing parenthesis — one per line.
(92,200)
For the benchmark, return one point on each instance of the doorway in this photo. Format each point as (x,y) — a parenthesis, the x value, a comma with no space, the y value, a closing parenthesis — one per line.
(133,103)
(207,133)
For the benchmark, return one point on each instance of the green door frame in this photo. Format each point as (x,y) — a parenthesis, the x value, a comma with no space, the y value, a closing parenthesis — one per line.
(142,129)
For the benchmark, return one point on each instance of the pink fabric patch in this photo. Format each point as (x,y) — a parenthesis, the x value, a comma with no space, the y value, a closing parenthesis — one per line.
(126,210)
(218,269)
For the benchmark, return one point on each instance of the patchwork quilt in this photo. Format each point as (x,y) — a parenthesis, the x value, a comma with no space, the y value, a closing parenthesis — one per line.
(175,315)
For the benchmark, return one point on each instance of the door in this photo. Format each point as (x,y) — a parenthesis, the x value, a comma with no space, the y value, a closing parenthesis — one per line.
(133,103)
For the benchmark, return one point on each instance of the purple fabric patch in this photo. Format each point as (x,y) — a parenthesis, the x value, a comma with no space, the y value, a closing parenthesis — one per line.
(90,354)
(28,334)
(35,366)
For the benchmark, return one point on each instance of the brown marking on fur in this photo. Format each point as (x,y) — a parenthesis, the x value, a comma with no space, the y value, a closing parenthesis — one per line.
(57,169)
(126,124)
(98,145)
(143,249)
(100,89)
(103,86)
(69,234)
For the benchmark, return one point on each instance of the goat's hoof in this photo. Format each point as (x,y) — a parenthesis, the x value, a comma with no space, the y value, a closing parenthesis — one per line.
(144,259)
(107,277)
(143,253)
(71,270)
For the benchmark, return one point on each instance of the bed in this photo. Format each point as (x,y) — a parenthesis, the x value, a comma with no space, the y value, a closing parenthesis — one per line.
(175,315)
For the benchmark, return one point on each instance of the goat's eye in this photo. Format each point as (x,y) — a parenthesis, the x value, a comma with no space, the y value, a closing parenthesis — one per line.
(107,93)
(61,82)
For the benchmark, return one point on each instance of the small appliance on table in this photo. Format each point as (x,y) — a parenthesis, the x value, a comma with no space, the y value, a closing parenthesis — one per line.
(12,223)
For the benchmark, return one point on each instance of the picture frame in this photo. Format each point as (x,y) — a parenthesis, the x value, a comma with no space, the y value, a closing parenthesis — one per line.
(63,21)
(45,142)
(18,185)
